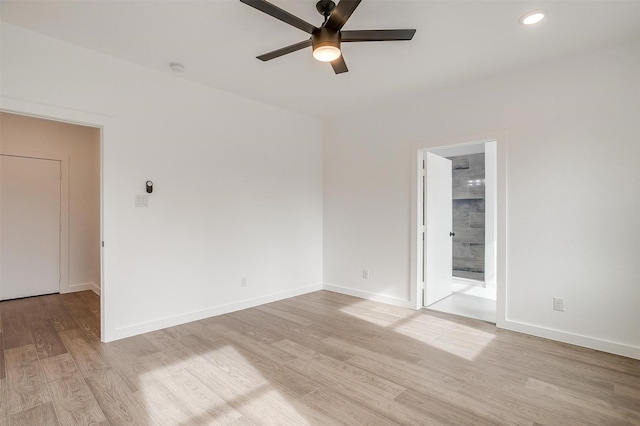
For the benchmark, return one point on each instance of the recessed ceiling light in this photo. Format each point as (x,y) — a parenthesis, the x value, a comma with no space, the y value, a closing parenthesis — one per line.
(532,17)
(176,67)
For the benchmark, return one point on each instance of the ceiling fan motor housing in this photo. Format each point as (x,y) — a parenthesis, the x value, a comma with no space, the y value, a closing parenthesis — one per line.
(325,37)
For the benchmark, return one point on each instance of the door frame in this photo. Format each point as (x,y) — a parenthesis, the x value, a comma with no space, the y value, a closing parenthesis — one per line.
(63,286)
(101,122)
(417,200)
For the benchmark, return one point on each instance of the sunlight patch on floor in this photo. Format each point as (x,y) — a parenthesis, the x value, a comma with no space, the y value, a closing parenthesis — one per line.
(196,390)
(450,336)
(374,313)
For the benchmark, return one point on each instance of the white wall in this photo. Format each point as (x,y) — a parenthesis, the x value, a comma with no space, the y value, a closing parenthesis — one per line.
(81,145)
(573,168)
(238,185)
(238,188)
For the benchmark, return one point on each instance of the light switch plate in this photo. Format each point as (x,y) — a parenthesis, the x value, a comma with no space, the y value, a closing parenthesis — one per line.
(558,304)
(142,201)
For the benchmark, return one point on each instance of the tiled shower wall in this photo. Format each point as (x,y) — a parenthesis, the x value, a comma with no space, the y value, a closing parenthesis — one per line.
(468,216)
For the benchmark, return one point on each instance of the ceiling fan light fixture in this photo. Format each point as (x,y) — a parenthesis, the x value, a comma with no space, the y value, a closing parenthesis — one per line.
(326,45)
(326,53)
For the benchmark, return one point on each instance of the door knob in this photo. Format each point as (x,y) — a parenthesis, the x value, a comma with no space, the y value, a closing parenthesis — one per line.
(452,234)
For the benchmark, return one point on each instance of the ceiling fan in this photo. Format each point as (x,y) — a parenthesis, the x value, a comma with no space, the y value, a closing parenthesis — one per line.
(325,40)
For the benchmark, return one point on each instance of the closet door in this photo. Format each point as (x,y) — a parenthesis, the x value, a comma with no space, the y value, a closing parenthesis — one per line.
(29,226)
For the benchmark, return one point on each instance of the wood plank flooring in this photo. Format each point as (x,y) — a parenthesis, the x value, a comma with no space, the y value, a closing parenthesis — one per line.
(321,359)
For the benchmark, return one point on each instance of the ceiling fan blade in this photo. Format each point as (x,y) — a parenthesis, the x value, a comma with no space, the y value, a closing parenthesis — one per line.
(341,13)
(376,35)
(283,15)
(283,51)
(339,65)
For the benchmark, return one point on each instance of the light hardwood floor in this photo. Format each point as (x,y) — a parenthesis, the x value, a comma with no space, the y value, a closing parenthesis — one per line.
(321,358)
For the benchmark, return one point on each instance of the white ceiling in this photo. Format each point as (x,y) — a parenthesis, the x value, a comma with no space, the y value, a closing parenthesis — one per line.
(217,41)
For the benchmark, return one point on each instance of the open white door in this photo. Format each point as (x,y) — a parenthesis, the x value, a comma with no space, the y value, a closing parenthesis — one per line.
(29,226)
(438,246)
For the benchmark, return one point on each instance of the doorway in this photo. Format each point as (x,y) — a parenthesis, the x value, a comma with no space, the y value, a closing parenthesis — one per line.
(50,196)
(460,232)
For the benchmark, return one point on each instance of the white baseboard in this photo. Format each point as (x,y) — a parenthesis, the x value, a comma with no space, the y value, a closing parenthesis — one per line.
(573,339)
(81,287)
(390,300)
(123,332)
(96,289)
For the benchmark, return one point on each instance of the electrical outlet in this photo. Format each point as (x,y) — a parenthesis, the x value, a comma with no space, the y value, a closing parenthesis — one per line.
(365,274)
(243,282)
(558,304)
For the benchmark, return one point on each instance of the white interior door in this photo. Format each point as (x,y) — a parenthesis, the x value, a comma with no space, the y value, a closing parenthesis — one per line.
(29,226)
(438,245)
